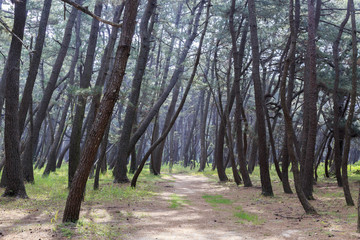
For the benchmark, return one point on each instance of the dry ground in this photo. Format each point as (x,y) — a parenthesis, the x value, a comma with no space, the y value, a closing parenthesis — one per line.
(179,211)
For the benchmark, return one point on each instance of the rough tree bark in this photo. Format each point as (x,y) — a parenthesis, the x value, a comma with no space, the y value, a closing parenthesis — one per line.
(14,185)
(73,202)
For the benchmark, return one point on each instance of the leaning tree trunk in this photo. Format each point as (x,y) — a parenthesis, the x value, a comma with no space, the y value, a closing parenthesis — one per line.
(259,103)
(13,170)
(73,202)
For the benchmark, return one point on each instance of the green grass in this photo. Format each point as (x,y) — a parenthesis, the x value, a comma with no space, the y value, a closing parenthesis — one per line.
(177,201)
(249,217)
(214,200)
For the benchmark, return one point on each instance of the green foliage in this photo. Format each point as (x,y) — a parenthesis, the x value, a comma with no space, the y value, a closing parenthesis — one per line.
(85,92)
(214,200)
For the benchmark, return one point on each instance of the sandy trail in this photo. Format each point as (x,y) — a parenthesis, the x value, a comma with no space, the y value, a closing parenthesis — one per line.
(196,219)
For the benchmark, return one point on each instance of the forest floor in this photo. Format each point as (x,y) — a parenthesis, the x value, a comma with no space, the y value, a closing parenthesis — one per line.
(191,206)
(208,210)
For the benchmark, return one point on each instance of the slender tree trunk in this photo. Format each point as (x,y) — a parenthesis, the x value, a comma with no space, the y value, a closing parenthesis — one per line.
(259,103)
(203,120)
(310,100)
(238,55)
(345,158)
(336,99)
(73,202)
(51,165)
(34,65)
(254,153)
(85,78)
(102,157)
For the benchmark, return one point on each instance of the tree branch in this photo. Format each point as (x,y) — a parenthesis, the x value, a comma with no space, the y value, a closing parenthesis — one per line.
(86,11)
(7,28)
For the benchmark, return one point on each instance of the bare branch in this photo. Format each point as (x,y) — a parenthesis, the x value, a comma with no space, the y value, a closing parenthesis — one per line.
(86,11)
(7,28)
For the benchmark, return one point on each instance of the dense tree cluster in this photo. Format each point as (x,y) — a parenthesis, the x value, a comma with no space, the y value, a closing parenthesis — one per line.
(119,84)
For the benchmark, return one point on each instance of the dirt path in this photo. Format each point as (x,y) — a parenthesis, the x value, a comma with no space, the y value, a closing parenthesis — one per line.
(280,217)
(195,219)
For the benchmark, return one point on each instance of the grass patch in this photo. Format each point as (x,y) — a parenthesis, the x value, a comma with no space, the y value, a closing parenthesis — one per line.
(177,201)
(214,200)
(89,230)
(249,217)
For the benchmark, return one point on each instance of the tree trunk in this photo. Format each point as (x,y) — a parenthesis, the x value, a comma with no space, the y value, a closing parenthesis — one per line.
(310,100)
(203,120)
(34,65)
(344,162)
(259,103)
(13,170)
(157,155)
(51,165)
(73,202)
(102,156)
